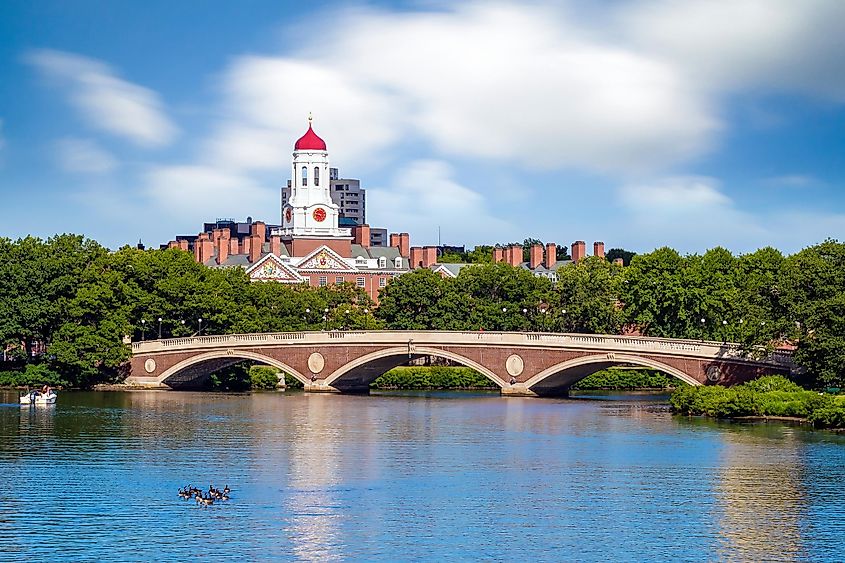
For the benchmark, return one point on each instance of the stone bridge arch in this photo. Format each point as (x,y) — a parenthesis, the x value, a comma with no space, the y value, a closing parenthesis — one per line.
(196,368)
(360,372)
(559,377)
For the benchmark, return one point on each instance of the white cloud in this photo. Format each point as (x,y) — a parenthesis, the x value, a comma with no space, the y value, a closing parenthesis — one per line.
(512,82)
(425,196)
(196,194)
(689,213)
(793,181)
(745,44)
(84,155)
(106,101)
(672,195)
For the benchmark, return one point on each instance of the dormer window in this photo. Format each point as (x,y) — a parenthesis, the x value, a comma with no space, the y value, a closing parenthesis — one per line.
(382,262)
(397,262)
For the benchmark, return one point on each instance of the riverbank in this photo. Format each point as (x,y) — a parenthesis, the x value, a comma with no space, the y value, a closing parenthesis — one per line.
(765,398)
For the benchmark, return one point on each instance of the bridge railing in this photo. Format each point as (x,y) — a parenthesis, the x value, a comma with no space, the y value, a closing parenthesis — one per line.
(606,341)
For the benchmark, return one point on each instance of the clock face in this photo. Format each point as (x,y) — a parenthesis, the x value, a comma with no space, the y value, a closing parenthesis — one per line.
(319,214)
(288,214)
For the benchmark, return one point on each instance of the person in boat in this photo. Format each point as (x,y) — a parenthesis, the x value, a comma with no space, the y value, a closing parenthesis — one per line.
(46,390)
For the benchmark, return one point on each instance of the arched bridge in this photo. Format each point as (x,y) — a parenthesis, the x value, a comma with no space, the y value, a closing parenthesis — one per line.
(519,363)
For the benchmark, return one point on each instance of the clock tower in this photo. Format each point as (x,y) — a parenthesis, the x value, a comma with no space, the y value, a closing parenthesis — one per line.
(310,212)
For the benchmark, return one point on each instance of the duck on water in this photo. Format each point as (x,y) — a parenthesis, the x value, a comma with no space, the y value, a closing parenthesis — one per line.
(206,499)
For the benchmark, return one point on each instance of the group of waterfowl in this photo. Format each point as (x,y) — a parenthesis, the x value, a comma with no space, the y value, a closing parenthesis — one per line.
(204,498)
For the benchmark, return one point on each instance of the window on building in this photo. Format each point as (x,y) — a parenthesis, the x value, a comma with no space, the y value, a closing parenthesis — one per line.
(338,280)
(382,262)
(397,262)
(324,281)
(382,282)
(316,175)
(304,176)
(360,282)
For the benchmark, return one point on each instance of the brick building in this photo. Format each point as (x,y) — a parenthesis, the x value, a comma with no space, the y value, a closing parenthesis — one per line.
(310,246)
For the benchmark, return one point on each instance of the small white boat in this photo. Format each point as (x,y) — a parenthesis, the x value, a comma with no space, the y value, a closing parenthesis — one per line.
(37,398)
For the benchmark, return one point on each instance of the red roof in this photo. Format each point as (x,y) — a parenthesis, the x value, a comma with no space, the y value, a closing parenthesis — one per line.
(310,142)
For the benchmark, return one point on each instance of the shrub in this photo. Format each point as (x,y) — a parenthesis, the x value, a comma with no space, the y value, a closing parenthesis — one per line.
(626,378)
(769,383)
(263,377)
(433,377)
(34,375)
(831,416)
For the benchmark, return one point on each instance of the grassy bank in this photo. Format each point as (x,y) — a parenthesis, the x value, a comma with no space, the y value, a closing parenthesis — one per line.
(773,396)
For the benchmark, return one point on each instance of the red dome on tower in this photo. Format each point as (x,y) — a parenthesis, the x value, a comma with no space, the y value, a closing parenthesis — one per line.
(310,141)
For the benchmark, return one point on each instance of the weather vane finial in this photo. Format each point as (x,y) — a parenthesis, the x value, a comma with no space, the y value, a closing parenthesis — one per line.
(310,118)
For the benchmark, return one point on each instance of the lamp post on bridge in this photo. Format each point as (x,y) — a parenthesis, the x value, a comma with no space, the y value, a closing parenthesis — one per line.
(199,330)
(326,318)
(159,328)
(143,329)
(366,319)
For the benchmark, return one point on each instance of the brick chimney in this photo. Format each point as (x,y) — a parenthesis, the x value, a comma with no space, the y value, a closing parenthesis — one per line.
(535,256)
(275,245)
(182,243)
(255,247)
(233,246)
(361,235)
(260,229)
(551,255)
(404,244)
(498,254)
(172,244)
(222,249)
(618,262)
(579,250)
(598,249)
(515,258)
(416,257)
(244,245)
(203,248)
(394,240)
(429,256)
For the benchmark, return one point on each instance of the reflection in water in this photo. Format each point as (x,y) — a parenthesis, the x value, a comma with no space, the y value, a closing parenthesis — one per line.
(421,476)
(760,503)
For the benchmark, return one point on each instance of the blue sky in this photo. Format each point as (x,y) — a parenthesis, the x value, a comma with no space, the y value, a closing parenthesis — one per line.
(688,123)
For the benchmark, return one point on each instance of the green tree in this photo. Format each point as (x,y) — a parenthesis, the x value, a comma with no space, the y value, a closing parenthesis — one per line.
(813,293)
(625,255)
(589,293)
(655,296)
(410,302)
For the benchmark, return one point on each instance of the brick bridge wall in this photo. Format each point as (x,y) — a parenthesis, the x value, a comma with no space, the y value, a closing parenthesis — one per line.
(519,363)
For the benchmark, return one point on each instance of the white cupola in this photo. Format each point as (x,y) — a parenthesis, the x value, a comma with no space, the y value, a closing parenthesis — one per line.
(310,211)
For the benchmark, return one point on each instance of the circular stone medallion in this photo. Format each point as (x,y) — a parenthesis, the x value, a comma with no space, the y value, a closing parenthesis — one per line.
(150,365)
(714,374)
(514,365)
(316,362)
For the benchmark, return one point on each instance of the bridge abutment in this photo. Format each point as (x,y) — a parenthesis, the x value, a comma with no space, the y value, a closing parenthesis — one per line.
(517,390)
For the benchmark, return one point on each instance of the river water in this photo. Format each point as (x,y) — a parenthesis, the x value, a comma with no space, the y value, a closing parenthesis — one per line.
(414,476)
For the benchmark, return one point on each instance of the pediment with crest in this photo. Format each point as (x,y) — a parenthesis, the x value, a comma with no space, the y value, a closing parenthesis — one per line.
(271,268)
(324,259)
